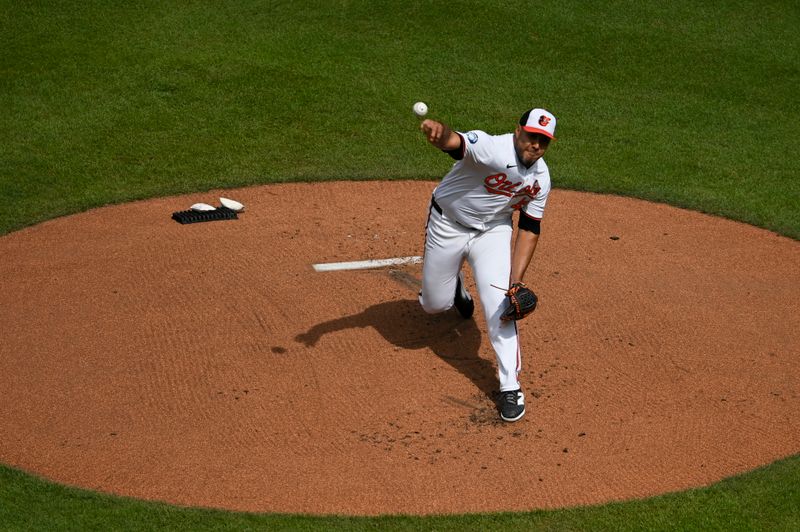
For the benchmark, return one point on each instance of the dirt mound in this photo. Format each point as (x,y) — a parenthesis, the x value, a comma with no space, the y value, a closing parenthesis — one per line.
(210,365)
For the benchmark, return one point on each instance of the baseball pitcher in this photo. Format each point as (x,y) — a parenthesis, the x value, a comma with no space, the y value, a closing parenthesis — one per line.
(470,219)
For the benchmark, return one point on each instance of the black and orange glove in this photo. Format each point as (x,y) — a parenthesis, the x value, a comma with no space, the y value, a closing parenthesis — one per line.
(521,302)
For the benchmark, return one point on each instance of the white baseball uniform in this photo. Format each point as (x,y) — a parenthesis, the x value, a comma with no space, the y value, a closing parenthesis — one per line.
(471,219)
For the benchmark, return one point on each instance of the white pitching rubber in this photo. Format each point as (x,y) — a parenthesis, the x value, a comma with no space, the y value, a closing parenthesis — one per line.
(366,264)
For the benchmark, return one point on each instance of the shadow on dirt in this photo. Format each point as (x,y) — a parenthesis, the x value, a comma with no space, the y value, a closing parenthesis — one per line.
(404,324)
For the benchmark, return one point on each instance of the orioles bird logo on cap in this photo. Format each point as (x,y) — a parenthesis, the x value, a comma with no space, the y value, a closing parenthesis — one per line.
(544,120)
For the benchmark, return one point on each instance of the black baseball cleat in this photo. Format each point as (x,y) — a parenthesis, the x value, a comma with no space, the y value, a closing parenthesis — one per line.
(463,301)
(512,405)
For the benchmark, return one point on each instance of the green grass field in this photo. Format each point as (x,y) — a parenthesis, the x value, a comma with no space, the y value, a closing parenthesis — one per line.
(688,103)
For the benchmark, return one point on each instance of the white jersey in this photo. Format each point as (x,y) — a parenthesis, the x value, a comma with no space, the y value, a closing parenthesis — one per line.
(489,183)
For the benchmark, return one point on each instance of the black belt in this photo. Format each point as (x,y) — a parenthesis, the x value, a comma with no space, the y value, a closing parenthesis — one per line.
(436,206)
(438,209)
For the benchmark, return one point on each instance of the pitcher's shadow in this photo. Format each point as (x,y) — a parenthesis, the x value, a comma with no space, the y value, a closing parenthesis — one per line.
(404,324)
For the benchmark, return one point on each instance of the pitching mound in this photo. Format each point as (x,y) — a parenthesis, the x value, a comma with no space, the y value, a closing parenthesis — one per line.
(210,365)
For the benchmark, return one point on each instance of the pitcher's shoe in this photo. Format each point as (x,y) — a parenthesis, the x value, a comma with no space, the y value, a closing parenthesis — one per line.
(512,405)
(463,301)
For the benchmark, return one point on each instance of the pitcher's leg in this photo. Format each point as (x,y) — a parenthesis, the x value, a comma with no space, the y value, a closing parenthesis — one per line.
(444,254)
(490,258)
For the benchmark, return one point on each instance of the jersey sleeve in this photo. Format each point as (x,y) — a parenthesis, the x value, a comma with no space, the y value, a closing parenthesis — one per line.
(478,146)
(535,208)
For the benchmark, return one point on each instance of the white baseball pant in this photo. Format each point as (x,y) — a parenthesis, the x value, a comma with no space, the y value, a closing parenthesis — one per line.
(447,245)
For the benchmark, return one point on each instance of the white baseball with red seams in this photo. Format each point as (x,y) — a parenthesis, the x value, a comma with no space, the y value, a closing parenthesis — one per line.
(477,198)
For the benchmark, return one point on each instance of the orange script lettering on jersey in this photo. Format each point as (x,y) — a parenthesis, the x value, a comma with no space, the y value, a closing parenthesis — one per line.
(527,194)
(500,184)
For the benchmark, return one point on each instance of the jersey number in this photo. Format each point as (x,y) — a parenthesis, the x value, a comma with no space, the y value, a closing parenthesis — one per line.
(521,203)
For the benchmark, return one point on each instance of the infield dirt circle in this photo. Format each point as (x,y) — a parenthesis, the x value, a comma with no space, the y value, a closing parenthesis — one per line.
(210,365)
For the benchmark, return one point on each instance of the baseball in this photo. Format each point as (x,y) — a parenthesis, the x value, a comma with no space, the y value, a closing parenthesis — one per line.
(420,109)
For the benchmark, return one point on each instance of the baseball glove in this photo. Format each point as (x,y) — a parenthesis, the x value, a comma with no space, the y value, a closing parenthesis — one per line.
(521,302)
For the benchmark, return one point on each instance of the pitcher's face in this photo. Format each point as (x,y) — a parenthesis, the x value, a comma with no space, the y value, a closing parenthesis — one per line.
(530,146)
